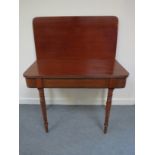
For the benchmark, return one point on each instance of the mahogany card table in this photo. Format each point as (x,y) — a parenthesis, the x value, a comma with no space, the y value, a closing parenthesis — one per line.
(76,52)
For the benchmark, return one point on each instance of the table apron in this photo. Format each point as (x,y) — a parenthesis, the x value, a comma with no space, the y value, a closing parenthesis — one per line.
(76,83)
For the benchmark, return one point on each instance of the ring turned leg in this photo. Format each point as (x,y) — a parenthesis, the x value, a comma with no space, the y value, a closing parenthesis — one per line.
(107,109)
(43,107)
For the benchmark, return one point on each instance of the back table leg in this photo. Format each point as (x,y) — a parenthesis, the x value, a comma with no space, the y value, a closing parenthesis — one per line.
(107,109)
(43,107)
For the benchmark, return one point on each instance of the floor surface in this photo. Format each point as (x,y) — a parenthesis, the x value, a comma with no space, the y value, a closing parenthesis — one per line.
(76,130)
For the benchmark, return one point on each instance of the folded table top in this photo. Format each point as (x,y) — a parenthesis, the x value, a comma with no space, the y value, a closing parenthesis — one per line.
(75,47)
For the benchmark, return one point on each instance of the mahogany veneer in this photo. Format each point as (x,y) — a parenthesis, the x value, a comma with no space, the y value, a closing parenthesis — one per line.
(75,52)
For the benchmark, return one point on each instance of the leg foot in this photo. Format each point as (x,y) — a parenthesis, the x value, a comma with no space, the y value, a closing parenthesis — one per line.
(43,108)
(107,110)
(105,129)
(46,127)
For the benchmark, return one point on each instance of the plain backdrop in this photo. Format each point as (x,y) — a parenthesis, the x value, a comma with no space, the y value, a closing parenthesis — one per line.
(145,83)
(123,9)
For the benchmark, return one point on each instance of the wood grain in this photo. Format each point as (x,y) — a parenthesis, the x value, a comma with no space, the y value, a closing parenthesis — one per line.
(75,37)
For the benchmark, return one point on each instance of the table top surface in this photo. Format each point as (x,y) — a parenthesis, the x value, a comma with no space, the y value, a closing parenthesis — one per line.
(94,68)
(75,47)
(75,37)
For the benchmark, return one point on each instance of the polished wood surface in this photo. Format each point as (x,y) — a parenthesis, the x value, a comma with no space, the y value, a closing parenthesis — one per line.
(76,52)
(107,109)
(93,68)
(43,107)
(75,37)
(76,83)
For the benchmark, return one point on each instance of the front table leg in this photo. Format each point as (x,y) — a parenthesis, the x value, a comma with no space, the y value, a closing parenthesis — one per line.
(107,109)
(43,107)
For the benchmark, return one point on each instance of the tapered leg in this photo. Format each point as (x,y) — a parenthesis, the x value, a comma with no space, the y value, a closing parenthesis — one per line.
(107,109)
(43,107)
